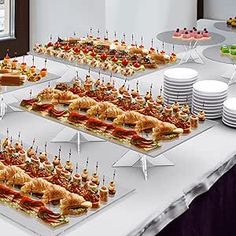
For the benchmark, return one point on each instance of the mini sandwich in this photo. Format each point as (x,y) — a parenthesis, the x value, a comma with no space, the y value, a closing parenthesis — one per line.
(166,131)
(74,204)
(12,80)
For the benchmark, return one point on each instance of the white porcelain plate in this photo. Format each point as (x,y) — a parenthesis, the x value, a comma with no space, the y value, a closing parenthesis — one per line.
(228,123)
(213,98)
(210,87)
(230,104)
(181,74)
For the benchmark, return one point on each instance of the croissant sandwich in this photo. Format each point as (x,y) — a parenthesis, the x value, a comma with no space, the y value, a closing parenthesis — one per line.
(74,204)
(166,131)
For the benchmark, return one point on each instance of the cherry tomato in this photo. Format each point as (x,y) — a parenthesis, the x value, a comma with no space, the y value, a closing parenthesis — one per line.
(136,64)
(85,51)
(76,50)
(50,44)
(104,56)
(125,62)
(67,48)
(93,54)
(114,59)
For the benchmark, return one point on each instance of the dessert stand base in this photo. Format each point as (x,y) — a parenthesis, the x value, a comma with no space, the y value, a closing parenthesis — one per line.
(231,75)
(6,108)
(135,159)
(191,54)
(68,135)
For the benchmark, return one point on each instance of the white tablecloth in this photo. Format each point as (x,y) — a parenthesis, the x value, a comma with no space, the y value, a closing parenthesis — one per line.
(199,162)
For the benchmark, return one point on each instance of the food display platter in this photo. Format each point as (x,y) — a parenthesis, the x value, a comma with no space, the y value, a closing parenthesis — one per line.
(38,227)
(214,54)
(7,89)
(108,73)
(164,145)
(167,37)
(222,25)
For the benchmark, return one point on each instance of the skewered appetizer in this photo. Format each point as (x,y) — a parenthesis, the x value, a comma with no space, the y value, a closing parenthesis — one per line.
(114,113)
(116,56)
(49,183)
(191,35)
(14,74)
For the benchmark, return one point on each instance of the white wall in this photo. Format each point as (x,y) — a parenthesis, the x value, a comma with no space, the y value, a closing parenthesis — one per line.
(219,9)
(64,17)
(148,17)
(141,17)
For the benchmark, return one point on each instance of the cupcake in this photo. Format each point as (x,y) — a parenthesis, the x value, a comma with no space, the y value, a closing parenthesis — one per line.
(224,49)
(187,35)
(206,34)
(198,35)
(177,33)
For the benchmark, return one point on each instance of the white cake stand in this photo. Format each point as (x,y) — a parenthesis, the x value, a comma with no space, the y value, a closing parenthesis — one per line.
(190,46)
(214,54)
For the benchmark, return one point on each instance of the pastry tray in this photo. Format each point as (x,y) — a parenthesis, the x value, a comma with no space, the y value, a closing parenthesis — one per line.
(38,227)
(165,145)
(136,75)
(8,89)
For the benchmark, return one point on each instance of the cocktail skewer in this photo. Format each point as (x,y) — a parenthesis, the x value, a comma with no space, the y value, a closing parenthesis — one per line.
(96,169)
(59,153)
(45,147)
(33,142)
(114,175)
(19,134)
(87,162)
(70,155)
(77,168)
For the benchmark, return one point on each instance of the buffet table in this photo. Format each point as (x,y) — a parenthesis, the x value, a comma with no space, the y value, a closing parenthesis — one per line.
(198,163)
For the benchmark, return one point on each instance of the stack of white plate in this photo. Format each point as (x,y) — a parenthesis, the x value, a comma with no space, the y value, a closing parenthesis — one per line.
(229,112)
(209,95)
(178,85)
